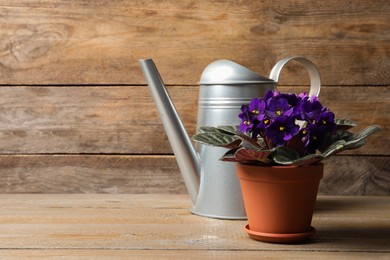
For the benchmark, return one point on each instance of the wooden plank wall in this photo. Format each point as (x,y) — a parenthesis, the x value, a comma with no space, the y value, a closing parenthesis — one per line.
(76,115)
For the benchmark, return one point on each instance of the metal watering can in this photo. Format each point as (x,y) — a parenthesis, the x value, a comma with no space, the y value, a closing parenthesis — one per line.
(224,86)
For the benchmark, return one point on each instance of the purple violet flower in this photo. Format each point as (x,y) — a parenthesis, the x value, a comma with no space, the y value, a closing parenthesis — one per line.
(327,120)
(275,118)
(316,137)
(282,129)
(311,108)
(305,136)
(246,122)
(256,108)
(294,102)
(264,122)
(303,96)
(270,94)
(279,107)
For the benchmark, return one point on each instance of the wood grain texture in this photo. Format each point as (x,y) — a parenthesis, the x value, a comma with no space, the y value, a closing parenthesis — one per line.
(344,175)
(99,42)
(96,254)
(89,174)
(76,116)
(124,120)
(356,175)
(158,226)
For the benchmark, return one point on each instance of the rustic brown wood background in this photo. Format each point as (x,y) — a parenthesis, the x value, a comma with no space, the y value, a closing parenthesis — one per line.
(76,115)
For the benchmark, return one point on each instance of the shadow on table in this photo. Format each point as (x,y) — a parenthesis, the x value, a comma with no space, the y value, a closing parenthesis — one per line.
(344,204)
(365,238)
(351,223)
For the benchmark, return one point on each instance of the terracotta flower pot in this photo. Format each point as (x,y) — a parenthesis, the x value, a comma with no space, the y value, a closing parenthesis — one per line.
(279,200)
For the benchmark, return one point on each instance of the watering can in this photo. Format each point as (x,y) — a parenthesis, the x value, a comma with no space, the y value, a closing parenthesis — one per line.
(224,86)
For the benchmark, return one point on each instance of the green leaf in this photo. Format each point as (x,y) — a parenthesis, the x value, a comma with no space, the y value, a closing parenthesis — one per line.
(228,129)
(358,140)
(207,129)
(340,134)
(250,143)
(229,156)
(352,142)
(355,145)
(245,149)
(245,154)
(286,156)
(334,148)
(344,124)
(217,139)
(368,131)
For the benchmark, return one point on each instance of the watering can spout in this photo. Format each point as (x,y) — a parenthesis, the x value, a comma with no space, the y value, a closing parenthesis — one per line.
(186,156)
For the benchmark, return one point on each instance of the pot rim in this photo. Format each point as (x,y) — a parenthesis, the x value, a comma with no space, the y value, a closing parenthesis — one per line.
(280,174)
(283,166)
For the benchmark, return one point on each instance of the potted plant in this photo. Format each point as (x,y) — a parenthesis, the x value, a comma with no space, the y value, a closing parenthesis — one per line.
(278,147)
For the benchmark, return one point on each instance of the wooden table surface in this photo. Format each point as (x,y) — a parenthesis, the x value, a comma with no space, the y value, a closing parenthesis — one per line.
(102,226)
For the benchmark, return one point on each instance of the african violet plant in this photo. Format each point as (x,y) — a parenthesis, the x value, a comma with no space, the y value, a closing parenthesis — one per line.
(284,129)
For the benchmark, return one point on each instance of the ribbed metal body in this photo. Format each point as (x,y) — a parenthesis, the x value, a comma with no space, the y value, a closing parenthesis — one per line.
(220,191)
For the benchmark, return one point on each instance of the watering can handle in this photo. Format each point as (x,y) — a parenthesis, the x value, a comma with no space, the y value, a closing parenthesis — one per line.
(315,81)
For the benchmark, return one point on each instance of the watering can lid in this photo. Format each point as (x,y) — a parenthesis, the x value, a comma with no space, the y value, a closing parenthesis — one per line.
(228,72)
